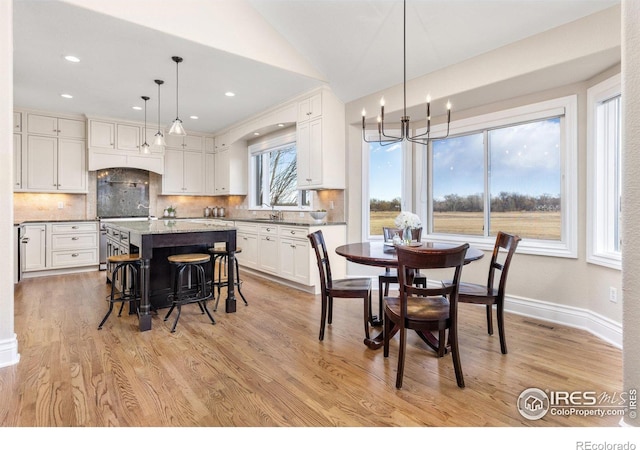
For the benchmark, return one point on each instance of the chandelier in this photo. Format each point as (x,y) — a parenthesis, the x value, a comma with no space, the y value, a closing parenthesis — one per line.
(386,139)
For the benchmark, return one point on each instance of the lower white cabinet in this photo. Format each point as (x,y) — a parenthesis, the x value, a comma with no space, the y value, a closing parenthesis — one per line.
(285,251)
(268,249)
(49,246)
(33,247)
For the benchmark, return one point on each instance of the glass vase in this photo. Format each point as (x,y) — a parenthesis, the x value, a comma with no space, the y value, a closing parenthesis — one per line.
(406,235)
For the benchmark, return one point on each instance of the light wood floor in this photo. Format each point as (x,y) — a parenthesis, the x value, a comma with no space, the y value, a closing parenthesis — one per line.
(264,366)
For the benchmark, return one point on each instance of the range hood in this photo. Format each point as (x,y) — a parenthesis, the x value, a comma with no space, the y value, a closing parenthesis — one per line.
(99,159)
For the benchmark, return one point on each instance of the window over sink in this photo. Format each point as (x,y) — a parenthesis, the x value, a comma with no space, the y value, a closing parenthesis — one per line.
(273,174)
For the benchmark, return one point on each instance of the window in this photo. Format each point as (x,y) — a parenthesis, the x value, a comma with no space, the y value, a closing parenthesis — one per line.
(387,185)
(274,175)
(511,171)
(605,174)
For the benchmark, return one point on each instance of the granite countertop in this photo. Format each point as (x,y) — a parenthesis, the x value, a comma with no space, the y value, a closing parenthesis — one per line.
(302,222)
(54,221)
(169,226)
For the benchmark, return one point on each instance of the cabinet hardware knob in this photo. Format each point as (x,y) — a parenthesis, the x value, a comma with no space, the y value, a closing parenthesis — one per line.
(75,238)
(75,227)
(74,255)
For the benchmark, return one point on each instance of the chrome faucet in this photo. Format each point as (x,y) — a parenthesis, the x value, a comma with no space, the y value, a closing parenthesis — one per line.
(275,215)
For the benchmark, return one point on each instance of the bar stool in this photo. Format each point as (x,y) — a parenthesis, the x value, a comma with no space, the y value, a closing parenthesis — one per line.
(221,255)
(126,270)
(196,293)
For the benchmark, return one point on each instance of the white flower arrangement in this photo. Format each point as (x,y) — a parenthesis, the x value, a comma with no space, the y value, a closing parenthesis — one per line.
(408,220)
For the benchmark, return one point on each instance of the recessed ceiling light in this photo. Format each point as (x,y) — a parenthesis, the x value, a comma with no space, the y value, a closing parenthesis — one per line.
(230,94)
(281,125)
(194,117)
(256,134)
(66,95)
(137,108)
(72,58)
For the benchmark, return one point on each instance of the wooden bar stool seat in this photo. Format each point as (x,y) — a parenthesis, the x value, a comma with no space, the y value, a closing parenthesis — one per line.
(221,256)
(125,286)
(195,290)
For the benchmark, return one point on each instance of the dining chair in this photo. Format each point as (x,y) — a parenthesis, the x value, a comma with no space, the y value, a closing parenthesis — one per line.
(390,275)
(425,310)
(488,294)
(340,288)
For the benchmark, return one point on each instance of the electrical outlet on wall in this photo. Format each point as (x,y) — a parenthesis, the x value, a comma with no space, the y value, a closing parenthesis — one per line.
(613,294)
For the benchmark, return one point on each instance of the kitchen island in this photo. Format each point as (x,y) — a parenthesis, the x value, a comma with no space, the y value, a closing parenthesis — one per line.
(160,238)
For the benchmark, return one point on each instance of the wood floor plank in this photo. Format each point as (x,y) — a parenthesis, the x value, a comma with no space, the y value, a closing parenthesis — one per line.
(263,366)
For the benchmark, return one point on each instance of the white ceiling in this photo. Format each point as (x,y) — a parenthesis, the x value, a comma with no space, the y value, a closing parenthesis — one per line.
(354,45)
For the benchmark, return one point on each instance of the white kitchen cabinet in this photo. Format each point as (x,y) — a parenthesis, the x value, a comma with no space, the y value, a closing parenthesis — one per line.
(294,257)
(102,134)
(321,142)
(310,108)
(72,244)
(247,240)
(55,126)
(17,161)
(17,122)
(33,247)
(209,144)
(230,170)
(184,172)
(268,248)
(222,176)
(209,173)
(221,142)
(54,164)
(188,142)
(128,137)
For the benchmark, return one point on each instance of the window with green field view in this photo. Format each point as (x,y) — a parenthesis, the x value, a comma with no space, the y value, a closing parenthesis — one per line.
(502,179)
(385,185)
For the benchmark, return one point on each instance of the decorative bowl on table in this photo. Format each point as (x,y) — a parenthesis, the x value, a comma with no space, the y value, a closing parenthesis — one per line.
(318,215)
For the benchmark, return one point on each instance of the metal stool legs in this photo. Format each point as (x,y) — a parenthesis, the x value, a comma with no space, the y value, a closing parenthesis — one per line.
(182,297)
(130,293)
(222,262)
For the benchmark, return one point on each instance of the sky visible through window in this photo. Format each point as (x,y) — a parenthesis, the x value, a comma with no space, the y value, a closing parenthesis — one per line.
(524,158)
(385,171)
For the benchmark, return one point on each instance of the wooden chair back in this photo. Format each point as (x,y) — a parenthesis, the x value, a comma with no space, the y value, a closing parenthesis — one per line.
(501,261)
(322,258)
(412,259)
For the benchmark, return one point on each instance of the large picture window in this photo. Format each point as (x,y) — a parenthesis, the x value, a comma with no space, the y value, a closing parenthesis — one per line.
(512,171)
(274,175)
(387,185)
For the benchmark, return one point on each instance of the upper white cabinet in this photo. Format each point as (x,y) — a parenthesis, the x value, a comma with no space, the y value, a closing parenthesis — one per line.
(53,164)
(55,126)
(17,161)
(184,172)
(310,108)
(209,144)
(321,142)
(102,134)
(188,142)
(17,122)
(50,153)
(128,137)
(230,169)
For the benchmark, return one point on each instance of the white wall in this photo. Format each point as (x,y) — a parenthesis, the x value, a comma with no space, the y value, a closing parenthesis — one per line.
(557,289)
(8,341)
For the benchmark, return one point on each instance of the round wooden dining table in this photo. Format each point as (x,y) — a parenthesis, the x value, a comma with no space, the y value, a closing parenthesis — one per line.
(383,254)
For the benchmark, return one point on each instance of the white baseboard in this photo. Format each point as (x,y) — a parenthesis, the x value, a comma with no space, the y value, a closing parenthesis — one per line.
(9,352)
(584,319)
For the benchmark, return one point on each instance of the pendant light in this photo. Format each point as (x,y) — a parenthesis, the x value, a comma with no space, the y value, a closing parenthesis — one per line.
(176,127)
(144,149)
(159,137)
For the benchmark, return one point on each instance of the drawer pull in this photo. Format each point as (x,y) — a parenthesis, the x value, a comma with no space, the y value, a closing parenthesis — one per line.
(74,255)
(75,238)
(75,227)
